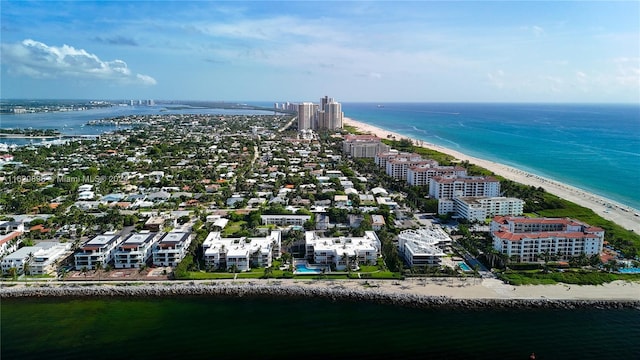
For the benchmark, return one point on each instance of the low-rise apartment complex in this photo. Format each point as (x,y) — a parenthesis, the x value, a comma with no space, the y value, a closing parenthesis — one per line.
(241,254)
(135,250)
(525,239)
(341,251)
(423,247)
(96,252)
(171,248)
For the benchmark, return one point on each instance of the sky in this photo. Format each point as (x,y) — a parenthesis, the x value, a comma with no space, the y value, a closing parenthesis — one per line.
(422,51)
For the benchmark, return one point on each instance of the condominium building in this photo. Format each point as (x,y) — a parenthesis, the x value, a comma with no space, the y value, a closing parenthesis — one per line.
(10,242)
(38,259)
(421,174)
(342,250)
(423,247)
(97,251)
(363,146)
(449,187)
(135,250)
(241,253)
(284,220)
(306,116)
(525,239)
(480,208)
(332,118)
(171,248)
(397,168)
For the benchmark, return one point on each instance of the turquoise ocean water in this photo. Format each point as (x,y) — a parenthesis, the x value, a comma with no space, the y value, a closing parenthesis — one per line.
(592,147)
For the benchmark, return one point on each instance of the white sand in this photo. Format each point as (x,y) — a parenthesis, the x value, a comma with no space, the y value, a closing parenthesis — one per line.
(608,209)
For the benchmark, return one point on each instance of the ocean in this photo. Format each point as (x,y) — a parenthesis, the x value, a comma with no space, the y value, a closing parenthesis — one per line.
(278,328)
(594,147)
(590,146)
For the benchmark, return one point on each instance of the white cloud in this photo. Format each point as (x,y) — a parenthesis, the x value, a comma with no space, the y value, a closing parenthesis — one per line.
(496,79)
(38,60)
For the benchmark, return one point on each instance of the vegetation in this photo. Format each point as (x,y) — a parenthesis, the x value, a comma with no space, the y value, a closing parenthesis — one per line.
(577,277)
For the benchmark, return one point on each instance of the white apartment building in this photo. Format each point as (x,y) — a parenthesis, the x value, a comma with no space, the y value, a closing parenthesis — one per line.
(423,247)
(10,242)
(527,238)
(363,146)
(420,175)
(449,187)
(98,250)
(40,258)
(244,253)
(305,116)
(397,168)
(340,251)
(171,248)
(135,250)
(284,220)
(480,208)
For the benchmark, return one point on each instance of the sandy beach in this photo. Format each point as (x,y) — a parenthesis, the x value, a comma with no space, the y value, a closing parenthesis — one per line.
(621,214)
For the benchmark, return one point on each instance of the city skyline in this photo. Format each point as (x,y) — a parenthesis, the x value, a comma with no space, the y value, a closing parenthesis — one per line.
(356,51)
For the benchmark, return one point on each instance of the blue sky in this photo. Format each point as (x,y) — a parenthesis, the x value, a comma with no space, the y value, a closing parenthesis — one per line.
(298,51)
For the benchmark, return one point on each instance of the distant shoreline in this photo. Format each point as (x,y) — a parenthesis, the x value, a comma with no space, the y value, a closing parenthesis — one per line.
(622,215)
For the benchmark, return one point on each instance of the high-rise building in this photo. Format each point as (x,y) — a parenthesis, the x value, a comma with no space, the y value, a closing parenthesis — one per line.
(333,115)
(305,116)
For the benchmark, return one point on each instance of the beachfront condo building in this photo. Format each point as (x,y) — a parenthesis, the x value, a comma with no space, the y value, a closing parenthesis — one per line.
(36,260)
(135,250)
(397,168)
(451,186)
(421,174)
(474,208)
(423,247)
(171,248)
(341,252)
(526,239)
(97,252)
(241,254)
(363,146)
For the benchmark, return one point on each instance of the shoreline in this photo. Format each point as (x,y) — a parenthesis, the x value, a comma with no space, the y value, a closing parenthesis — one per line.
(608,209)
(416,292)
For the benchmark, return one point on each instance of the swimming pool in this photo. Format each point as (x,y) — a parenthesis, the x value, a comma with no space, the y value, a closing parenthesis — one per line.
(630,270)
(305,269)
(464,266)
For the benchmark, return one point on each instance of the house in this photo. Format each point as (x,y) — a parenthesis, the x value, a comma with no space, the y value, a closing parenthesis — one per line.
(171,249)
(159,196)
(96,252)
(241,253)
(10,226)
(377,222)
(155,223)
(135,250)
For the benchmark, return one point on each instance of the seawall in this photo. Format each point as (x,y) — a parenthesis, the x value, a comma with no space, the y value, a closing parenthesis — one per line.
(332,294)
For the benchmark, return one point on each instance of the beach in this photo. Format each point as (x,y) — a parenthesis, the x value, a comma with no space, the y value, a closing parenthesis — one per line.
(620,214)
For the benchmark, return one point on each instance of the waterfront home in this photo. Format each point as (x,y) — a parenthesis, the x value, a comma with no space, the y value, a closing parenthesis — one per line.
(342,251)
(97,251)
(135,250)
(423,247)
(243,253)
(171,248)
(529,239)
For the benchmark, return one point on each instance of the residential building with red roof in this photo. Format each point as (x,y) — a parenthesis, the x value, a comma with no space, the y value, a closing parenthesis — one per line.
(528,238)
